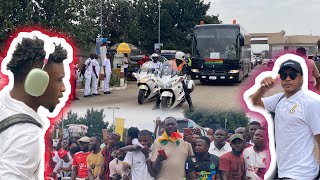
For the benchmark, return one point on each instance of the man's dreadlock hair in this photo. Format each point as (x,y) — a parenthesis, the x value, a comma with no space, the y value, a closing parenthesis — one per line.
(30,54)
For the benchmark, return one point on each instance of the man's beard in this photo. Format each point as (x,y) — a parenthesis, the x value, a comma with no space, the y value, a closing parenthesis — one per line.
(51,109)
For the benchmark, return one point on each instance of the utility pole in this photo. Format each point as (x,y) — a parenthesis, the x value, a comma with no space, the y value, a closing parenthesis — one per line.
(101,18)
(159,6)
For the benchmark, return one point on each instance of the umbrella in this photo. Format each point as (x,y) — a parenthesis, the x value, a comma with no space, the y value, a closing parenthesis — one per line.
(132,47)
(123,48)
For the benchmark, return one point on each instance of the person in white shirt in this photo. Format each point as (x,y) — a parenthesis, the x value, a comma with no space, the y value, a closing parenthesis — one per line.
(107,73)
(257,157)
(296,122)
(95,75)
(63,167)
(125,64)
(220,146)
(22,145)
(138,160)
(88,75)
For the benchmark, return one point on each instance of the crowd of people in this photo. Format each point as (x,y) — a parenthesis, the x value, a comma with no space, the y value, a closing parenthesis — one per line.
(165,154)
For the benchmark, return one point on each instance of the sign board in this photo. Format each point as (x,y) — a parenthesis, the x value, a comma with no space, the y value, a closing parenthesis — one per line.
(118,60)
(157,46)
(105,133)
(65,134)
(119,127)
(99,42)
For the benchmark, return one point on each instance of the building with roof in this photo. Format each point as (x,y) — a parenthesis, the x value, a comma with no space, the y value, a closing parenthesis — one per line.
(279,43)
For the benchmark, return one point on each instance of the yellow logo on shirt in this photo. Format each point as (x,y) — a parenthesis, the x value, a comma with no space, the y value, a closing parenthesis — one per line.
(293,109)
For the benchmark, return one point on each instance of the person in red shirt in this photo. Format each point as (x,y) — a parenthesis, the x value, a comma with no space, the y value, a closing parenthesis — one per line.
(231,164)
(79,164)
(143,60)
(74,75)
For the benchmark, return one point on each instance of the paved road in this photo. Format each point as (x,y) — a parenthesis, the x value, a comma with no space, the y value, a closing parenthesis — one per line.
(210,96)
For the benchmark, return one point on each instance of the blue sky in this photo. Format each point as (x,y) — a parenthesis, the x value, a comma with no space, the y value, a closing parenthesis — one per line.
(296,17)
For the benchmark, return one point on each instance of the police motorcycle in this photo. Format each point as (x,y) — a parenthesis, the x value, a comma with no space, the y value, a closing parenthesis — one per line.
(148,88)
(170,87)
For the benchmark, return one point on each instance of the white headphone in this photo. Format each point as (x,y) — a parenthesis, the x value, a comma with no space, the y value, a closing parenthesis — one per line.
(37,79)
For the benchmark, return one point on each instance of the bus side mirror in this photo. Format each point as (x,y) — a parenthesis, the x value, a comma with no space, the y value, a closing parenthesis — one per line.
(190,37)
(241,40)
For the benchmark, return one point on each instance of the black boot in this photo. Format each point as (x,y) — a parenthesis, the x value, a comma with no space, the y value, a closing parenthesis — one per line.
(158,101)
(191,108)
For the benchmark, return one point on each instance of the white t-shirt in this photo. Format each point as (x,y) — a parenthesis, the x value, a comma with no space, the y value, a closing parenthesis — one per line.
(125,60)
(96,65)
(215,151)
(253,161)
(88,64)
(106,63)
(22,145)
(139,169)
(297,121)
(63,164)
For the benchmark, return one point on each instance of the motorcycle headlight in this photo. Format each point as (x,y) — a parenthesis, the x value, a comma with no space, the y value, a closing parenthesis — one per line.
(143,80)
(165,86)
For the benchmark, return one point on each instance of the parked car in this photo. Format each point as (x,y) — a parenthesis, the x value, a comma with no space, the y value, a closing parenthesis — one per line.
(168,54)
(270,63)
(253,63)
(188,123)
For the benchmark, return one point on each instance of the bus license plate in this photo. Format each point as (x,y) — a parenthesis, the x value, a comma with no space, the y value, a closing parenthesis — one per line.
(213,77)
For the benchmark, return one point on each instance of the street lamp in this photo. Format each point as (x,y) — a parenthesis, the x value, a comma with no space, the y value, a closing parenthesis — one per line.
(113,108)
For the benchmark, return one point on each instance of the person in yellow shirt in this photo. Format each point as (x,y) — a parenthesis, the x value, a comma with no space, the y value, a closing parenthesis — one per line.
(95,159)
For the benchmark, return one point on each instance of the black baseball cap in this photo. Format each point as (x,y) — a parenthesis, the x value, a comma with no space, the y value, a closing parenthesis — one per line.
(292,64)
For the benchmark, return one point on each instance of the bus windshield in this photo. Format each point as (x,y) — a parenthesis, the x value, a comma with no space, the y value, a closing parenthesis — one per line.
(216,43)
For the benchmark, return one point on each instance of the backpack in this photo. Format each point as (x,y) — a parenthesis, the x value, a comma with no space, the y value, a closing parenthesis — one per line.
(17,119)
(84,68)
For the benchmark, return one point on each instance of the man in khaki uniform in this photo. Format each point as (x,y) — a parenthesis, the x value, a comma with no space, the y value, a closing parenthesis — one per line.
(170,152)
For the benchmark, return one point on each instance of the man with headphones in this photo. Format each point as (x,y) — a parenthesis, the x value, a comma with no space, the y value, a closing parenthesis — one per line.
(38,74)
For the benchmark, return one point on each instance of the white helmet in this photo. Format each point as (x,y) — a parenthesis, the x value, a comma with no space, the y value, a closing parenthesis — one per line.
(155,55)
(180,55)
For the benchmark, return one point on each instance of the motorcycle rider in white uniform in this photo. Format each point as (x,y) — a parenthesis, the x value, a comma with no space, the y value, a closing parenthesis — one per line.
(155,61)
(179,65)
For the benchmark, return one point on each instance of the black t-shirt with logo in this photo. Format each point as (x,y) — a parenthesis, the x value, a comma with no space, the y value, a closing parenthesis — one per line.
(206,169)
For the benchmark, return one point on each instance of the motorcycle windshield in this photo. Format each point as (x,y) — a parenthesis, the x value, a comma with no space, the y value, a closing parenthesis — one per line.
(167,70)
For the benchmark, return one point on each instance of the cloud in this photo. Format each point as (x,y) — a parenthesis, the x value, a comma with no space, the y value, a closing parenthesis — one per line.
(294,16)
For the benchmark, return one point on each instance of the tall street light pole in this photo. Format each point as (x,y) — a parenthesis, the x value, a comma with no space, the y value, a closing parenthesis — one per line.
(101,18)
(159,6)
(113,108)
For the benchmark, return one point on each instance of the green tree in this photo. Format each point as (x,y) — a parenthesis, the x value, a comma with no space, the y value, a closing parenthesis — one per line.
(93,119)
(216,119)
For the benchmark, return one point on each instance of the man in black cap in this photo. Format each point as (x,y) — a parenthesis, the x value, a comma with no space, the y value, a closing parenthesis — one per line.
(231,164)
(296,122)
